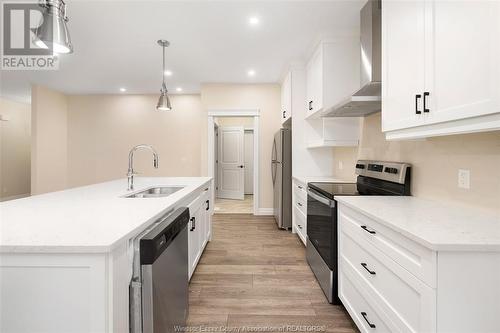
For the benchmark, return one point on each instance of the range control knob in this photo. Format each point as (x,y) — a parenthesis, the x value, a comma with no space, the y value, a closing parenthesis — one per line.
(391,170)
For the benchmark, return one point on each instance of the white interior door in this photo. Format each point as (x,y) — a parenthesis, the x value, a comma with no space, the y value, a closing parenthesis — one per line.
(231,163)
(248,162)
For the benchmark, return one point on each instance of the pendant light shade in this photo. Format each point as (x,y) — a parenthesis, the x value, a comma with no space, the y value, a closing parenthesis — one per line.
(53,32)
(164,100)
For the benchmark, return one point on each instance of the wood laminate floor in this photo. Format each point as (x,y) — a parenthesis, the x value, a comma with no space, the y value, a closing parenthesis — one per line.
(254,277)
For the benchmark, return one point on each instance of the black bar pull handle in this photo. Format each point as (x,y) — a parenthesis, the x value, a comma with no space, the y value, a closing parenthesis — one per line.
(284,114)
(193,223)
(417,97)
(310,105)
(366,319)
(365,228)
(369,271)
(208,205)
(426,94)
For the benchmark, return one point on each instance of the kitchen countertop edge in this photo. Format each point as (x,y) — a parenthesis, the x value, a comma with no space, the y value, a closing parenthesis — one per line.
(432,245)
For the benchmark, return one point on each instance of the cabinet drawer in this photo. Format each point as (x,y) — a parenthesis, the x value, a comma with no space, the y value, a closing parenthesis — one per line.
(300,221)
(301,204)
(300,190)
(417,259)
(367,318)
(410,304)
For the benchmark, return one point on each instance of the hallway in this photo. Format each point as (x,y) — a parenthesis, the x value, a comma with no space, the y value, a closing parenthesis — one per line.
(228,206)
(254,276)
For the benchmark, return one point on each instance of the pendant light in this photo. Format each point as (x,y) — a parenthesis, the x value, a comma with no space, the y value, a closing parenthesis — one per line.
(53,32)
(163,101)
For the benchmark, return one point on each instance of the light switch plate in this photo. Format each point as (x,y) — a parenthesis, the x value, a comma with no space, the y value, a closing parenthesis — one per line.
(464,178)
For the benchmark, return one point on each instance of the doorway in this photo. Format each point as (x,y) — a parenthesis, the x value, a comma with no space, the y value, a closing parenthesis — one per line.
(233,157)
(234,165)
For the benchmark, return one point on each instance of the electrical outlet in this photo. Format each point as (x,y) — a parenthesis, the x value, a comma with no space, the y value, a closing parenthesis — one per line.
(464,178)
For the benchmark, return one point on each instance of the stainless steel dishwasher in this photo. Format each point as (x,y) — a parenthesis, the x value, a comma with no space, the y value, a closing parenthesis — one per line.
(159,286)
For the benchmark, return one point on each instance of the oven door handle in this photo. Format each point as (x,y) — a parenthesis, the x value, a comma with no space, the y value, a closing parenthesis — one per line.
(320,198)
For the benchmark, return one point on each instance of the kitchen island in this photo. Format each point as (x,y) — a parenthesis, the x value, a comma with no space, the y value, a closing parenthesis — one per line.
(66,257)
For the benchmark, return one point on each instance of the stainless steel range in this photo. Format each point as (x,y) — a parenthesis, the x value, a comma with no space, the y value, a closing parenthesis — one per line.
(374,178)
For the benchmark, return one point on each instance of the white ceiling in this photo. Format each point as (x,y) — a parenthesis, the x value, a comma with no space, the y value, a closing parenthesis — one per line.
(211,41)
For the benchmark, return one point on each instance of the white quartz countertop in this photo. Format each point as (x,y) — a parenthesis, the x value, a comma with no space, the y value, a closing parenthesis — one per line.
(438,226)
(87,219)
(322,179)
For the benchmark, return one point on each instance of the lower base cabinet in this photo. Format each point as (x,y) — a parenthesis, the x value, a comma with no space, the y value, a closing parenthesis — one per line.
(199,229)
(390,283)
(299,210)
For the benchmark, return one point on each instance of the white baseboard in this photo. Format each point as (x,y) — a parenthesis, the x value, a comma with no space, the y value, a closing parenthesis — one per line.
(265,211)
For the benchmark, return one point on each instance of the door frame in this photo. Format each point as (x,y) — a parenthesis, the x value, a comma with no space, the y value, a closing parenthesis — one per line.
(255,113)
(245,131)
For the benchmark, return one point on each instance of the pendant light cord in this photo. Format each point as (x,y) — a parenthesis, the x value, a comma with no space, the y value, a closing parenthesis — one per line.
(163,72)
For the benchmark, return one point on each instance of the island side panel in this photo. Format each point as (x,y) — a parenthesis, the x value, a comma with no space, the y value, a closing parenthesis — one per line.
(53,293)
(468,297)
(120,273)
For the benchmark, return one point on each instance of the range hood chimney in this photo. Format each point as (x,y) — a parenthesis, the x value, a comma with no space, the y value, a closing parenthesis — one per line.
(368,99)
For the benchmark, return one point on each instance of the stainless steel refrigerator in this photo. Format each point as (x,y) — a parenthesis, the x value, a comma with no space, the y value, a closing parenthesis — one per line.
(281,166)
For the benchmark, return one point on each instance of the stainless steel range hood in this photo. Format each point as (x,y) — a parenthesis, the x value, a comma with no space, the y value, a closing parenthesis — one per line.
(366,100)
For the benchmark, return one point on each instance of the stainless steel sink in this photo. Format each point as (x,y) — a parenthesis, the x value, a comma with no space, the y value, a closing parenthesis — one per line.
(155,192)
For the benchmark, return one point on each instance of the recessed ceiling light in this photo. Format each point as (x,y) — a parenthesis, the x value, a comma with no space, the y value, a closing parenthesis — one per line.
(254,20)
(123,89)
(168,73)
(179,89)
(251,72)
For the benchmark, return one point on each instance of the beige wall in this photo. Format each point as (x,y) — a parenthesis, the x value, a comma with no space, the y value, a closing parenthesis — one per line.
(86,139)
(103,128)
(49,111)
(435,163)
(15,146)
(266,98)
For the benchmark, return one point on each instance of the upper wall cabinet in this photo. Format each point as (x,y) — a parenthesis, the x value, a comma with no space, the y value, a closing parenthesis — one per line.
(440,67)
(332,74)
(286,98)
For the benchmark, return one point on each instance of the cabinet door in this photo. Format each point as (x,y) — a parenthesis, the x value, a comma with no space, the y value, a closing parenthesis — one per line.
(403,59)
(462,75)
(286,98)
(203,224)
(194,239)
(314,81)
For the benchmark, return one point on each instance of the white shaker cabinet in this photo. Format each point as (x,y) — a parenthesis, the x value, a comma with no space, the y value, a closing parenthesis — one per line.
(332,74)
(440,68)
(403,63)
(299,213)
(198,229)
(314,81)
(286,98)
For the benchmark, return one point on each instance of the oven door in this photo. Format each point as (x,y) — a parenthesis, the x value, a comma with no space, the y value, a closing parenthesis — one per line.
(322,226)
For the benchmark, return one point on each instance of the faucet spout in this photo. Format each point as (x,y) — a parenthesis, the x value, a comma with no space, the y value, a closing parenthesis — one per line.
(131,172)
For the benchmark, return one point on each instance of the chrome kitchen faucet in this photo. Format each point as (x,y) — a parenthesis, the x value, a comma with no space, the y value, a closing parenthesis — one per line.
(131,172)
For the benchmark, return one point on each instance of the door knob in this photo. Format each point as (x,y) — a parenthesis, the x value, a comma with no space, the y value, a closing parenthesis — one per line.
(241,166)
